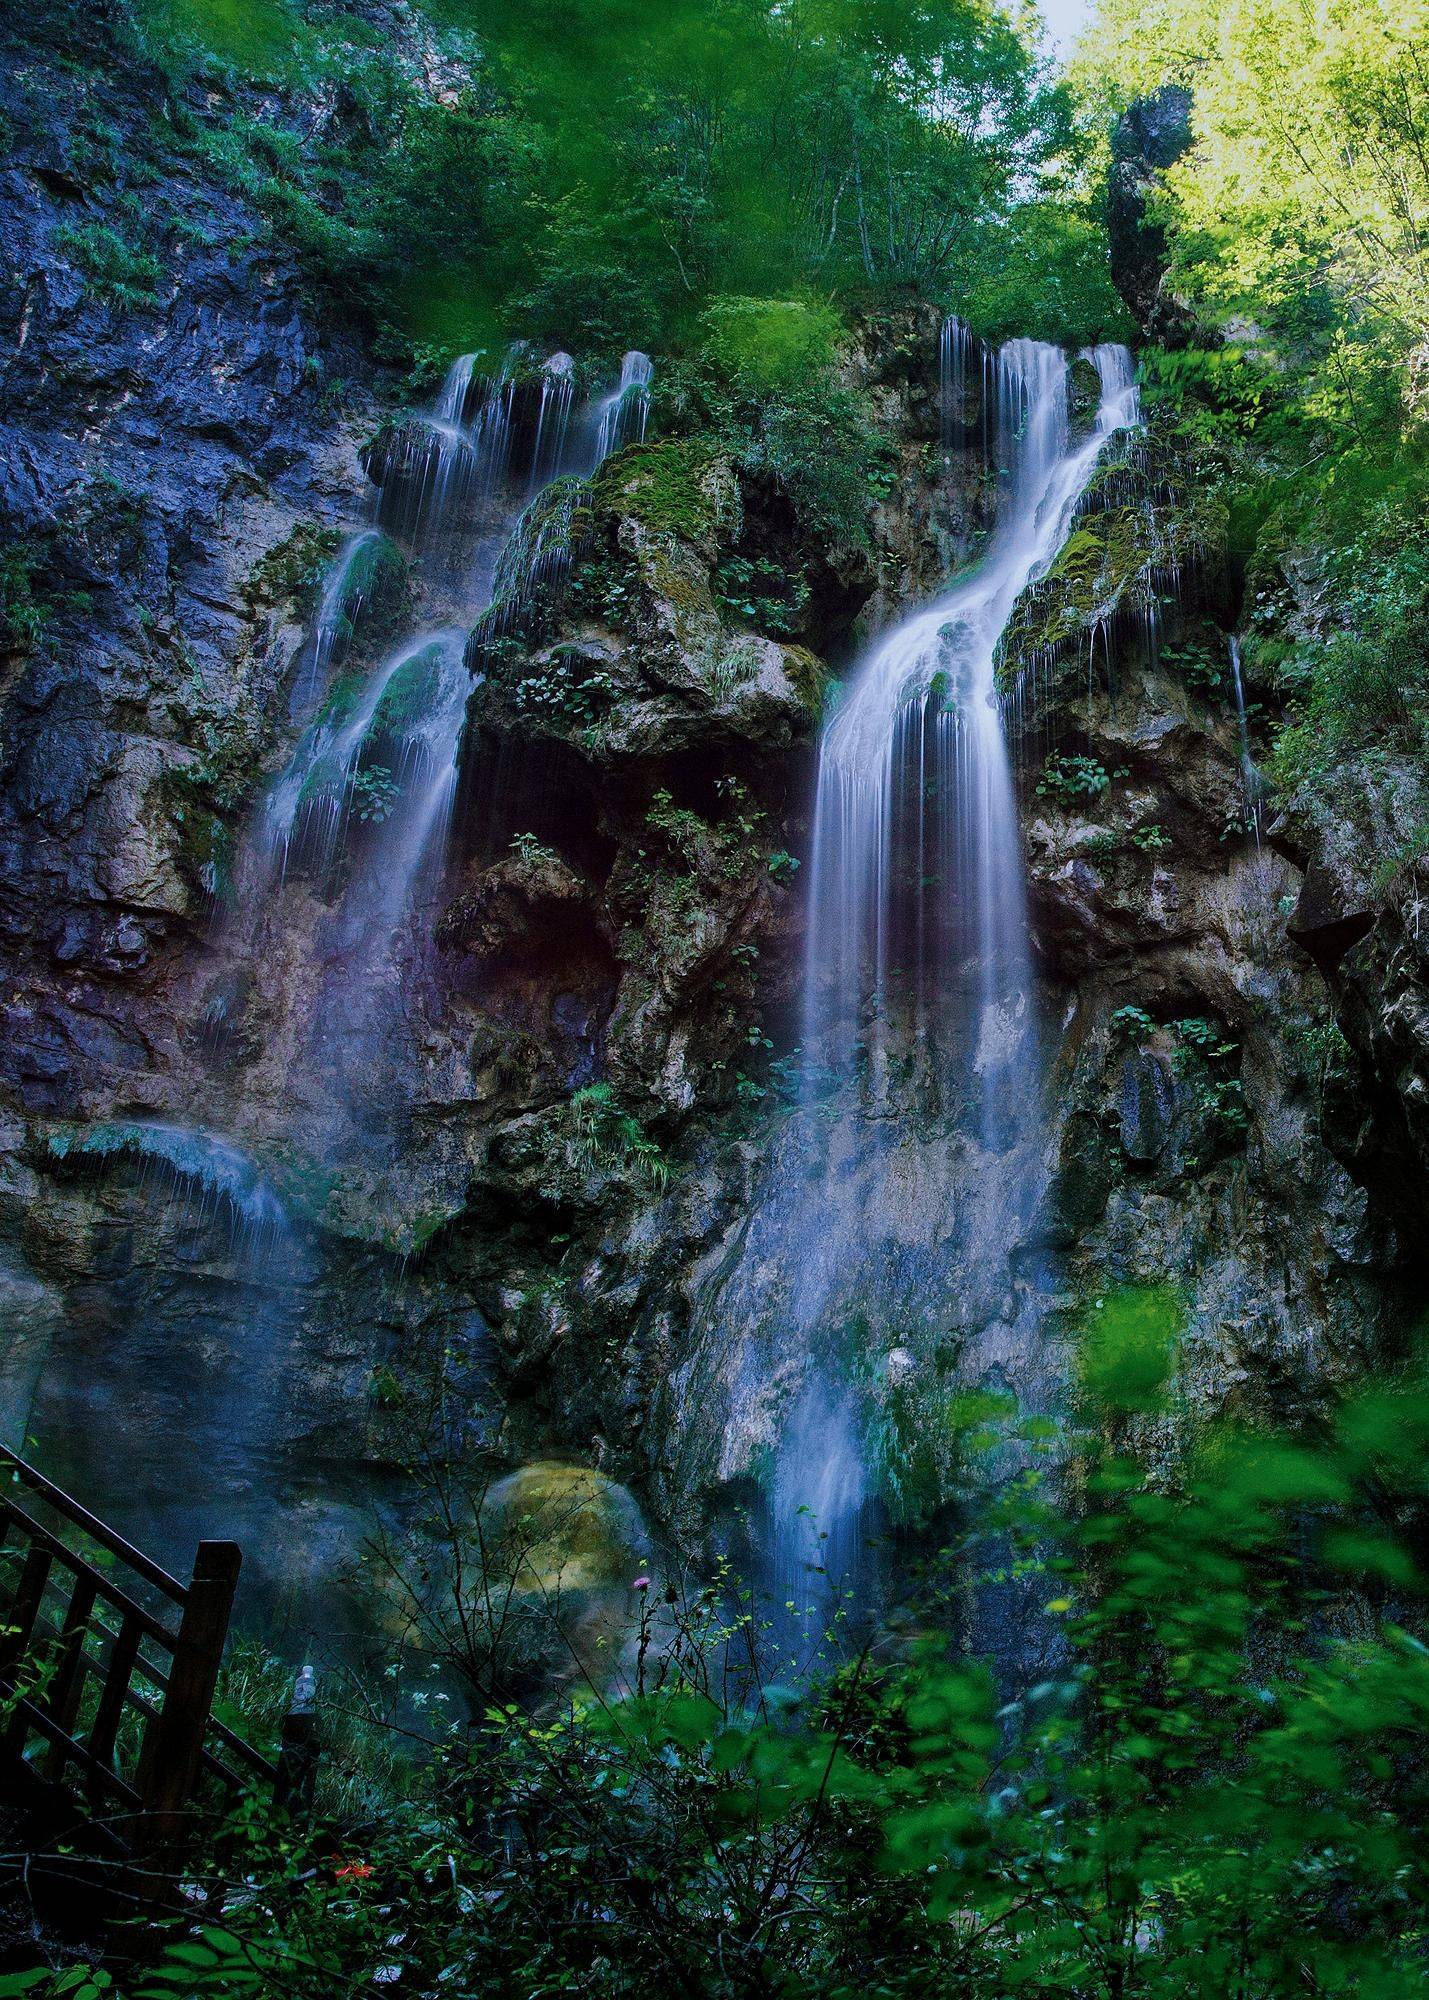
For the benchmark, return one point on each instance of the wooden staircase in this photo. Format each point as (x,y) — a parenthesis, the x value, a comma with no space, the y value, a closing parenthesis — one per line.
(108,1667)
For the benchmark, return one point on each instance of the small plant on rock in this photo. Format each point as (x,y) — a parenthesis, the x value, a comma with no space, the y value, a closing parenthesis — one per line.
(526,847)
(1132,1024)
(375,793)
(610,1139)
(1072,777)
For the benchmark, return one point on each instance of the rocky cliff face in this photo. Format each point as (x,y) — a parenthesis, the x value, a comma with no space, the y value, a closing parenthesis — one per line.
(555,1180)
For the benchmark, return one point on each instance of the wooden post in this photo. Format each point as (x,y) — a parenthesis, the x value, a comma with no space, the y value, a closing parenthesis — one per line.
(297,1760)
(171,1755)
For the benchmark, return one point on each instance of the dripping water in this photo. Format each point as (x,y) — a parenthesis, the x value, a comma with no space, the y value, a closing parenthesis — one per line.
(622,416)
(1250,778)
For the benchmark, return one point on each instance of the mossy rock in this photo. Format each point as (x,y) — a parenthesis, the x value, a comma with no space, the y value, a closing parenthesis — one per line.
(294,568)
(374,593)
(328,779)
(807,675)
(1084,393)
(683,487)
(410,694)
(554,1529)
(341,699)
(1140,522)
(401,444)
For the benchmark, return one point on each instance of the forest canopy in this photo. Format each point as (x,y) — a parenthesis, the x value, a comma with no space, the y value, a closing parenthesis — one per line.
(830,150)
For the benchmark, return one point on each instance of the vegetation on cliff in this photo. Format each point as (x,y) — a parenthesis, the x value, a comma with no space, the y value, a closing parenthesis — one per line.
(1218,1783)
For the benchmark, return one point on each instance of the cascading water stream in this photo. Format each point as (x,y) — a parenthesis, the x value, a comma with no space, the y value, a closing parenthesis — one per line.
(917,898)
(319,1019)
(621,417)
(1250,779)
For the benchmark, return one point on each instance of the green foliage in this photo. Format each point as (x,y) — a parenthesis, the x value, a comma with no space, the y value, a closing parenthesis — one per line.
(768,167)
(1072,777)
(24,610)
(256,36)
(611,1139)
(770,344)
(1219,1787)
(121,272)
(759,590)
(374,793)
(526,847)
(565,691)
(1201,667)
(1294,226)
(1127,1350)
(1133,1023)
(1366,680)
(1206,1062)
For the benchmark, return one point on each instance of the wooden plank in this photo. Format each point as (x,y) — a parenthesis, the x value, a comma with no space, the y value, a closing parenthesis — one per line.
(117,1669)
(108,1780)
(24,1607)
(231,1741)
(91,1524)
(62,1695)
(224,1772)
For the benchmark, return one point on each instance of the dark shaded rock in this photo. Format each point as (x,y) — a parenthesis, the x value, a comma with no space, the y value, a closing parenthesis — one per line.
(1146,1105)
(523,906)
(1329,919)
(1150,136)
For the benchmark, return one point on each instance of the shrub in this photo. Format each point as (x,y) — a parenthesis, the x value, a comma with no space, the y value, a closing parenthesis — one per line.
(123,274)
(1072,777)
(770,344)
(1217,1786)
(611,1139)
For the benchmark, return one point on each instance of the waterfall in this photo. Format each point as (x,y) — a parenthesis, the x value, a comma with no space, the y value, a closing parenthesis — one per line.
(621,417)
(344,593)
(558,389)
(1250,780)
(916,854)
(918,922)
(956,347)
(363,806)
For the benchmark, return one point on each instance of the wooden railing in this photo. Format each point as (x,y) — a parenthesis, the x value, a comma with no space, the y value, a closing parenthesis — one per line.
(108,1667)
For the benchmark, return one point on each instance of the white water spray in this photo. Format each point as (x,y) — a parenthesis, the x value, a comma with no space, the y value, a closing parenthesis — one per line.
(917,897)
(622,416)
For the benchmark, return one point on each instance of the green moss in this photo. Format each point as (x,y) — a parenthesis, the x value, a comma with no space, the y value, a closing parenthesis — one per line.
(554,1528)
(679,486)
(375,588)
(294,569)
(327,779)
(205,847)
(342,697)
(808,676)
(409,695)
(1141,523)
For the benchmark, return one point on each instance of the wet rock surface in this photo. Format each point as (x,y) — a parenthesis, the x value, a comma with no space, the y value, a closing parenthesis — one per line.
(559,1176)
